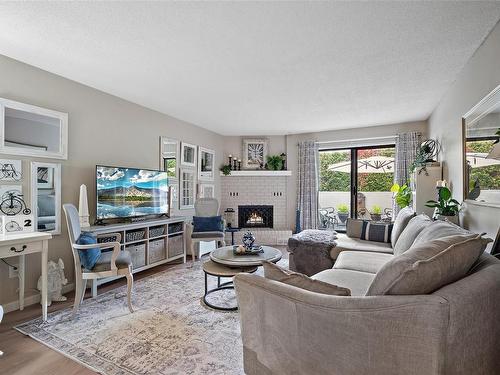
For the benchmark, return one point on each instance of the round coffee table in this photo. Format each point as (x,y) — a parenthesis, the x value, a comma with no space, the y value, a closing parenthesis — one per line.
(224,263)
(224,255)
(218,270)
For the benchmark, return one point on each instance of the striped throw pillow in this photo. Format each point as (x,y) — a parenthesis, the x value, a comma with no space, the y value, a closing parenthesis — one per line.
(378,232)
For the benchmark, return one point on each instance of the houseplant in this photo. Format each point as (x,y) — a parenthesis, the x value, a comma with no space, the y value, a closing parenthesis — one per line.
(376,213)
(274,162)
(226,170)
(343,212)
(445,208)
(402,195)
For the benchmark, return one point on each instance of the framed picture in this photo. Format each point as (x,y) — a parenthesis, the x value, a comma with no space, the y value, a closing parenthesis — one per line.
(187,189)
(11,170)
(207,191)
(188,155)
(11,200)
(45,178)
(254,153)
(206,159)
(17,224)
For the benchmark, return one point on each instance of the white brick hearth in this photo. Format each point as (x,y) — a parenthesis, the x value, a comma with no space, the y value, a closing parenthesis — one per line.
(259,190)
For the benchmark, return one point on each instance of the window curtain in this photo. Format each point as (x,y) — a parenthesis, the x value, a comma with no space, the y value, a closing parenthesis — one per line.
(307,199)
(406,150)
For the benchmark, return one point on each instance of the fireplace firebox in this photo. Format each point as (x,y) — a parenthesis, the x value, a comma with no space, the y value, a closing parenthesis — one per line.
(255,216)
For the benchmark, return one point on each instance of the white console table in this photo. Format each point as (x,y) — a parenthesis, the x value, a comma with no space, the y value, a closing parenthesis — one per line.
(20,245)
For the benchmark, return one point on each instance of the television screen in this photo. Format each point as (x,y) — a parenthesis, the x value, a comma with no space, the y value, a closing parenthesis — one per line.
(130,192)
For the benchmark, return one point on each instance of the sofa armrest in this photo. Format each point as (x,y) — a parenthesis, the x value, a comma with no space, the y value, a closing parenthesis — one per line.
(293,331)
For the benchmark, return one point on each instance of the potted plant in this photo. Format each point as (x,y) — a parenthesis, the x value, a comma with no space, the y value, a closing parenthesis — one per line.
(274,162)
(226,170)
(343,212)
(445,208)
(376,213)
(402,195)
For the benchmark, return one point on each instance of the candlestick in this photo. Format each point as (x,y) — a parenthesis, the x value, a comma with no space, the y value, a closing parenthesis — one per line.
(230,158)
(239,164)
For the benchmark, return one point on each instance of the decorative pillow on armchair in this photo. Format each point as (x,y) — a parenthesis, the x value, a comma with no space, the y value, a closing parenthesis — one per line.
(88,257)
(299,280)
(208,224)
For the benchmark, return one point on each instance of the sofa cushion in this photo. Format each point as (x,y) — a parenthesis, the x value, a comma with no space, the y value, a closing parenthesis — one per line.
(378,232)
(345,243)
(363,261)
(402,219)
(410,233)
(354,227)
(428,266)
(439,229)
(299,280)
(356,281)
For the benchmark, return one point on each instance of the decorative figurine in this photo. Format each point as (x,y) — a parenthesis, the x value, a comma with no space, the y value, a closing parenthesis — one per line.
(55,281)
(248,240)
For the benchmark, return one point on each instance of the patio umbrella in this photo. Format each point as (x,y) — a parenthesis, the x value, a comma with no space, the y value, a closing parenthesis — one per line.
(373,164)
(480,159)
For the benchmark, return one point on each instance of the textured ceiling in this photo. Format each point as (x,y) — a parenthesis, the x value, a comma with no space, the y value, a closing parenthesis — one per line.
(248,68)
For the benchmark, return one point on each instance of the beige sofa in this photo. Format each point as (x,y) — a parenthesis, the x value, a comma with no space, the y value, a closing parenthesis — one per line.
(453,330)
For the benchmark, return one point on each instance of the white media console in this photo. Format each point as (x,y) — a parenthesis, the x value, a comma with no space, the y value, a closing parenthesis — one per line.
(149,242)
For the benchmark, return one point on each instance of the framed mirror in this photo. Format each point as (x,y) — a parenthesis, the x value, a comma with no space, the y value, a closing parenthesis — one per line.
(46,196)
(187,189)
(29,130)
(188,155)
(169,156)
(206,159)
(481,151)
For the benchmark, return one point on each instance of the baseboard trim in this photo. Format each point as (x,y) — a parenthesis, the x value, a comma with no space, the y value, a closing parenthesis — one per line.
(33,299)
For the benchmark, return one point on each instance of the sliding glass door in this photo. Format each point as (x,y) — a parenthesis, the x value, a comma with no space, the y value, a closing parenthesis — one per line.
(355,182)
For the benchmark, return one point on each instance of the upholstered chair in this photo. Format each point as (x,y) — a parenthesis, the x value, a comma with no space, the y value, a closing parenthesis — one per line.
(206,207)
(109,264)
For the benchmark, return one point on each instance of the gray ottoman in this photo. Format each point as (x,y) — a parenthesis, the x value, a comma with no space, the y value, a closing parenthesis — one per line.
(310,251)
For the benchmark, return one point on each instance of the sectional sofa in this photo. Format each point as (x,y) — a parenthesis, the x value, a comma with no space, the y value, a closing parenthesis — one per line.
(428,302)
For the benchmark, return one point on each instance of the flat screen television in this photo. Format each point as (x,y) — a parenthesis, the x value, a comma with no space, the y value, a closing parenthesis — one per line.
(130,192)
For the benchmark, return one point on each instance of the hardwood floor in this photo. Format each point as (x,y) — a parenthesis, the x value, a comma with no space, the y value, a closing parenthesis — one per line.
(25,356)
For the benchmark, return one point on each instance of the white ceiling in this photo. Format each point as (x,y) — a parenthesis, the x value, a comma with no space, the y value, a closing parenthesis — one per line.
(248,68)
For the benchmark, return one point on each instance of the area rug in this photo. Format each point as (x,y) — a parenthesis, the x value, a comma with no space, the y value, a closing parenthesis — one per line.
(170,332)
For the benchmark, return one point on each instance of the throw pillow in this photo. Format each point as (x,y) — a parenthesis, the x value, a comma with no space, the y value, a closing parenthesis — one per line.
(299,280)
(402,219)
(88,258)
(410,233)
(354,227)
(208,224)
(439,229)
(428,266)
(378,232)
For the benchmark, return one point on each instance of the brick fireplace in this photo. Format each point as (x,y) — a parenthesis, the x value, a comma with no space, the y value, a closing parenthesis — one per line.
(260,205)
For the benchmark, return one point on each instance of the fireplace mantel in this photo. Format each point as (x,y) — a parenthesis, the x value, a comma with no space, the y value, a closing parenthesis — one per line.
(258,172)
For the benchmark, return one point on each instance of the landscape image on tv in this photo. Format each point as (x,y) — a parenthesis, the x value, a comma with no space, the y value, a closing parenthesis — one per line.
(129,192)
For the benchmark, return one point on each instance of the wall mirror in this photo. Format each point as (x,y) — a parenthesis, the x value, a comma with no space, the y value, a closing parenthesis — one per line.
(188,155)
(46,196)
(32,131)
(187,189)
(169,150)
(481,151)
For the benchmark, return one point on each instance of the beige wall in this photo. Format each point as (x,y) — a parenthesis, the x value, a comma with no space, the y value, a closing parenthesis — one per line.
(337,135)
(479,76)
(103,129)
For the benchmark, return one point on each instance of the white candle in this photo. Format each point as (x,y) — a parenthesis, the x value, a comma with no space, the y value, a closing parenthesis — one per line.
(230,156)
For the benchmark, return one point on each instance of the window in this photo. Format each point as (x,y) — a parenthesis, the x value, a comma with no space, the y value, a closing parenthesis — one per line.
(355,182)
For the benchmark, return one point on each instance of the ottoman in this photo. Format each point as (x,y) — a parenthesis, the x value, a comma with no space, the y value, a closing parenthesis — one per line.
(310,251)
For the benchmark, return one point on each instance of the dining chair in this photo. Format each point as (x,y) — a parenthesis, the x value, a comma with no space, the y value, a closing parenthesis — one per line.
(109,264)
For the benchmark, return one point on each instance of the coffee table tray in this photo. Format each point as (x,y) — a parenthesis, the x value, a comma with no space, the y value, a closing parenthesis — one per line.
(255,250)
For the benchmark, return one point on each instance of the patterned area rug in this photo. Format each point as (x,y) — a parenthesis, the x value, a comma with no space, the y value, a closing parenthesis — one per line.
(170,332)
